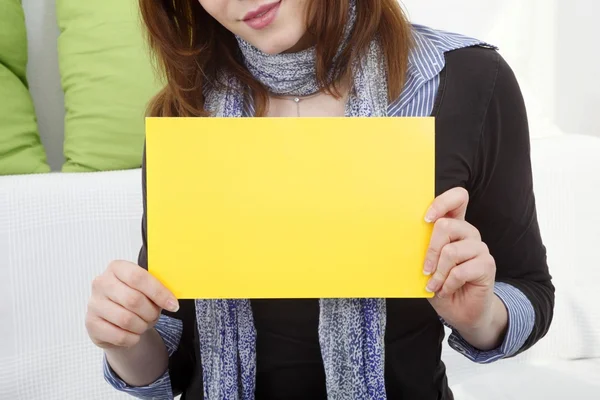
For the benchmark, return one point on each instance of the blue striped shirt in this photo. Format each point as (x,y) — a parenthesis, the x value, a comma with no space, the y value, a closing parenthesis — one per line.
(426,61)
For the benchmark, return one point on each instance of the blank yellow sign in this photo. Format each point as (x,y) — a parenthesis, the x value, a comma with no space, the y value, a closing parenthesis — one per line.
(289,208)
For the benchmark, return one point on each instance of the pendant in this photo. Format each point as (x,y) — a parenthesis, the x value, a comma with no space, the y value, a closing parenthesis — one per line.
(297,101)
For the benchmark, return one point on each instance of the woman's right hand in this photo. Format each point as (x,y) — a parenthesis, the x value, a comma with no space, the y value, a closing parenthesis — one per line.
(126,302)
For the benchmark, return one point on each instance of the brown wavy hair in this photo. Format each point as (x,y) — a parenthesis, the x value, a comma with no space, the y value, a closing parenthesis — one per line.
(190,47)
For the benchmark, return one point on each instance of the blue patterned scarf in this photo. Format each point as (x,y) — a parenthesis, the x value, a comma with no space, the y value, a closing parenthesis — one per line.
(351,331)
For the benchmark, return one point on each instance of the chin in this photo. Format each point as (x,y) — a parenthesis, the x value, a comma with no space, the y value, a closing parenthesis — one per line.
(273,48)
(276,45)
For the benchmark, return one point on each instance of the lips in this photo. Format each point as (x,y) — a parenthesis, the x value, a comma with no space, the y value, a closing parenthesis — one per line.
(261,11)
(262,16)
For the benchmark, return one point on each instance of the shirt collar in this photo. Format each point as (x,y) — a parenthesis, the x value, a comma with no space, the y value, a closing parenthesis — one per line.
(426,59)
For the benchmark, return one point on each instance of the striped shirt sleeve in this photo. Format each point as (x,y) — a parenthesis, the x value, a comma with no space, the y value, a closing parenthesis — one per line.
(521,319)
(170,330)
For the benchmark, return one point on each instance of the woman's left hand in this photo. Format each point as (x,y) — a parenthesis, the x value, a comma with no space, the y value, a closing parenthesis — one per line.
(463,273)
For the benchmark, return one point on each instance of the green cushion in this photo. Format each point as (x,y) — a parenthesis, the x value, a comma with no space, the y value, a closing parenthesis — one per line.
(21,151)
(108,80)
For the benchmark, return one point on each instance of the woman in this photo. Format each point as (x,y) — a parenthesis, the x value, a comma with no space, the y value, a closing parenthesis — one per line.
(290,58)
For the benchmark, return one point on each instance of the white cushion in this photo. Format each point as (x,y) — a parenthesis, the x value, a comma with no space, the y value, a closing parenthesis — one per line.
(57,232)
(567,186)
(553,381)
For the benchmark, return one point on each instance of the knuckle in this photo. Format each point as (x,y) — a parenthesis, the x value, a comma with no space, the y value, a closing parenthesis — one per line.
(443,225)
(134,277)
(457,275)
(114,265)
(431,255)
(133,340)
(156,316)
(157,294)
(121,339)
(438,278)
(463,193)
(93,329)
(156,309)
(491,261)
(440,275)
(449,252)
(97,284)
(484,248)
(91,307)
(112,288)
(126,320)
(134,301)
(90,323)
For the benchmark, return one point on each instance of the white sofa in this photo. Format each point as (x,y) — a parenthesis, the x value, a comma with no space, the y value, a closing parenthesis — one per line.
(58,231)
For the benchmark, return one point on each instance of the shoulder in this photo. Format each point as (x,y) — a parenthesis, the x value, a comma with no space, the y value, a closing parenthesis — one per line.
(468,79)
(433,49)
(474,65)
(479,112)
(474,78)
(444,41)
(441,60)
(427,61)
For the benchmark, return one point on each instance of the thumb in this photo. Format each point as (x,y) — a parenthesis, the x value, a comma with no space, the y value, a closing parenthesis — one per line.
(450,204)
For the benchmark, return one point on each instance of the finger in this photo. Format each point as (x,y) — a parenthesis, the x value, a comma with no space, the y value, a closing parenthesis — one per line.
(452,255)
(104,333)
(446,231)
(133,301)
(451,204)
(139,279)
(118,316)
(472,272)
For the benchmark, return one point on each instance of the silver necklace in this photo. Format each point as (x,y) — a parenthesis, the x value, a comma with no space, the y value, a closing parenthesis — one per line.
(298,100)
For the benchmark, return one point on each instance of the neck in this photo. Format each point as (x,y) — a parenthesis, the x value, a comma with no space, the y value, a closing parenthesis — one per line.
(292,73)
(304,43)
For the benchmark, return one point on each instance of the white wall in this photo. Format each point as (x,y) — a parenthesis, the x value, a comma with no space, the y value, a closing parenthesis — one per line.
(578,65)
(550,45)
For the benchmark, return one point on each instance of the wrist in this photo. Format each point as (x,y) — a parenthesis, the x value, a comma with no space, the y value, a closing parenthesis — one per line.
(115,351)
(489,332)
(141,364)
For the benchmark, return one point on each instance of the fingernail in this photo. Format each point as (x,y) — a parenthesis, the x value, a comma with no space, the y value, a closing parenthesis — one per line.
(172,305)
(427,268)
(431,286)
(430,216)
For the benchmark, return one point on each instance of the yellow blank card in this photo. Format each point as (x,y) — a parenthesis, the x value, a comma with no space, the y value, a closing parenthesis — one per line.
(289,208)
